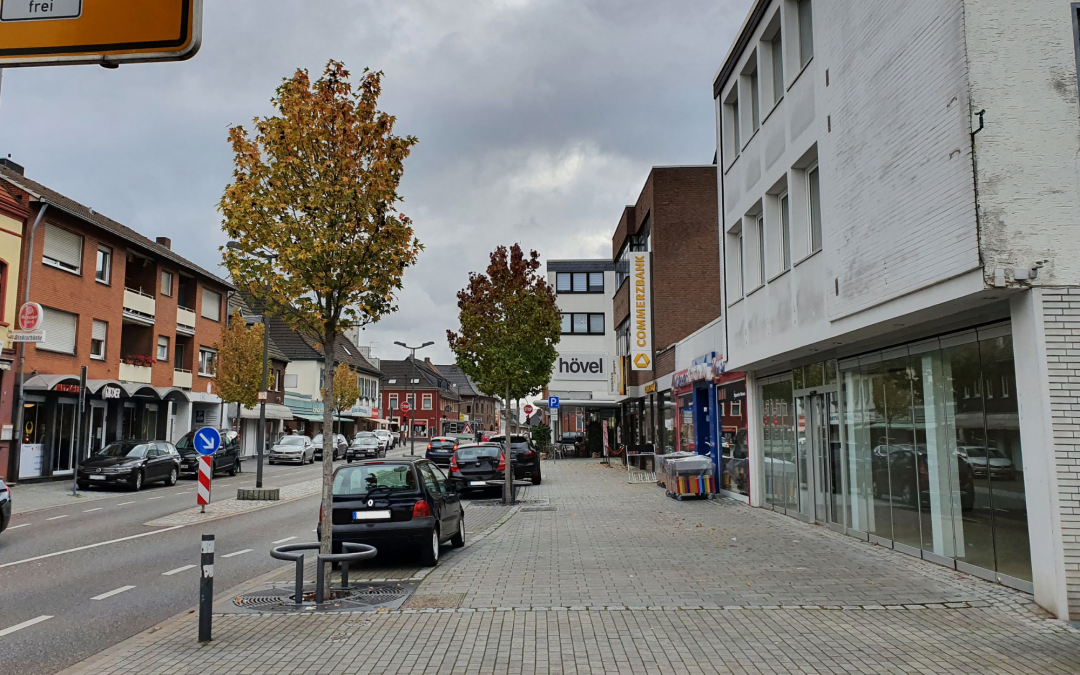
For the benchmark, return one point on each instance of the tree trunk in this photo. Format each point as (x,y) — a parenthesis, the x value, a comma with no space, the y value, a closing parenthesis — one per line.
(508,482)
(327,457)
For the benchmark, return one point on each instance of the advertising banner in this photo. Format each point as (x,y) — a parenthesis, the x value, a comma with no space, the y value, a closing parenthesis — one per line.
(641,347)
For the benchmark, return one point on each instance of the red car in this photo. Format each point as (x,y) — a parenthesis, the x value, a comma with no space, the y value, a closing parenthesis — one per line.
(485,436)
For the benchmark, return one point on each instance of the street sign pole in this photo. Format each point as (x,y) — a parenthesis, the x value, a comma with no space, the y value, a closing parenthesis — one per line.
(206,441)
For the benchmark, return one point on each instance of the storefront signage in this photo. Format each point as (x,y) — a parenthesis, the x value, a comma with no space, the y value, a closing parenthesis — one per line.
(641,312)
(581,366)
(30,317)
(650,388)
(718,366)
(112,392)
(36,336)
(681,379)
(67,388)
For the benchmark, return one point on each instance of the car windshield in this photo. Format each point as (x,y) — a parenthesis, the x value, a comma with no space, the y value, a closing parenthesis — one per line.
(472,452)
(366,440)
(292,440)
(123,449)
(185,441)
(359,480)
(365,434)
(442,444)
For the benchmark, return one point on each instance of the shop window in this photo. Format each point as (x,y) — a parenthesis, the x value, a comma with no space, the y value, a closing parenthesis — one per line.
(97,340)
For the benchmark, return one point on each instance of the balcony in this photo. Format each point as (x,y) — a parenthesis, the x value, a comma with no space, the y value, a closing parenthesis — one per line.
(182,379)
(185,321)
(140,374)
(139,307)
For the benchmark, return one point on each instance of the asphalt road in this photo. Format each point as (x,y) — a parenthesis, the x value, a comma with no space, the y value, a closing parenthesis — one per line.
(96,597)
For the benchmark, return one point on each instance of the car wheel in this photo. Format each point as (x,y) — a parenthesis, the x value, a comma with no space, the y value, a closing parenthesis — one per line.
(536,476)
(172,477)
(84,486)
(430,555)
(458,540)
(136,481)
(232,469)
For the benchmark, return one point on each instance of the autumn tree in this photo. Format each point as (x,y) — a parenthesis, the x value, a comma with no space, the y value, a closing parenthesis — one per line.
(312,208)
(239,368)
(345,392)
(510,325)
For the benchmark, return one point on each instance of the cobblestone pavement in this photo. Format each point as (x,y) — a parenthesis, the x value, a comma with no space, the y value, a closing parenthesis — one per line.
(620,579)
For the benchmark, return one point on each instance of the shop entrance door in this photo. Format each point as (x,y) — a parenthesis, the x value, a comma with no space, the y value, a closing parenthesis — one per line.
(96,428)
(820,462)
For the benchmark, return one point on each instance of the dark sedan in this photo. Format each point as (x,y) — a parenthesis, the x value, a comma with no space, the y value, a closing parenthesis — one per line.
(473,465)
(227,457)
(441,449)
(5,505)
(396,504)
(131,464)
(524,457)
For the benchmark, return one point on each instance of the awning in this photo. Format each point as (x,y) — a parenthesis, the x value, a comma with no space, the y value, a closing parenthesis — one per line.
(199,397)
(317,417)
(47,382)
(274,411)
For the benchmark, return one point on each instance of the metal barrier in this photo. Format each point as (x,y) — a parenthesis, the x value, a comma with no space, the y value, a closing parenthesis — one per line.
(353,553)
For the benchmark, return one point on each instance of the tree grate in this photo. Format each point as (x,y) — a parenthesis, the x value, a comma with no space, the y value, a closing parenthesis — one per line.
(355,598)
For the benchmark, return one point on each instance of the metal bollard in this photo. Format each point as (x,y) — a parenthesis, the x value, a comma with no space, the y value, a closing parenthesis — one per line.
(298,593)
(206,588)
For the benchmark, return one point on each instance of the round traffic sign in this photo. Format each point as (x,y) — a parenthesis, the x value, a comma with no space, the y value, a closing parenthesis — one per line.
(207,440)
(528,409)
(405,407)
(30,316)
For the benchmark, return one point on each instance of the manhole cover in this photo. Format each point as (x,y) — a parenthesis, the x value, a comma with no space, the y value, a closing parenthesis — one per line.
(355,598)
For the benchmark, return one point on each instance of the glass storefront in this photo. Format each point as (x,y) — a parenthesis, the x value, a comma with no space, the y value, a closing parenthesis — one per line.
(686,422)
(917,446)
(667,423)
(731,407)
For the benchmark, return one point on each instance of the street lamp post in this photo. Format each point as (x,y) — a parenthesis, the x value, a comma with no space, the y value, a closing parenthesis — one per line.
(412,386)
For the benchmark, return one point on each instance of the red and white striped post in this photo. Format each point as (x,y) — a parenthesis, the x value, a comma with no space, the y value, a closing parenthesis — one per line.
(206,471)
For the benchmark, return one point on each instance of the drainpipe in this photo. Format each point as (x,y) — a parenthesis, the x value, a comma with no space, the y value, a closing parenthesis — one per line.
(17,417)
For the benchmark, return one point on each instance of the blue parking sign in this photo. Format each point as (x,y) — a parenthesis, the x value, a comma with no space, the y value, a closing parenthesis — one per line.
(553,402)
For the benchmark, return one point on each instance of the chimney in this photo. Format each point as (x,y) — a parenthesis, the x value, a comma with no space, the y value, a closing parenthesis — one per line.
(17,168)
(165,241)
(427,360)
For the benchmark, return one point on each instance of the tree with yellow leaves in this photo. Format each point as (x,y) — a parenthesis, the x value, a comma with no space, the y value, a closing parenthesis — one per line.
(346,392)
(239,368)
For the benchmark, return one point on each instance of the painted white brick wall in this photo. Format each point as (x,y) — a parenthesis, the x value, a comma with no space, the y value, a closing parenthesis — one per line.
(1061,312)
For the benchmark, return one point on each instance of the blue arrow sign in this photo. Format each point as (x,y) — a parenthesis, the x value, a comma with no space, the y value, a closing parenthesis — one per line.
(207,440)
(553,402)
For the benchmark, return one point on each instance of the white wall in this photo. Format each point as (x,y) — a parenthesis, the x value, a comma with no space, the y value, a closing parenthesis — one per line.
(600,344)
(307,378)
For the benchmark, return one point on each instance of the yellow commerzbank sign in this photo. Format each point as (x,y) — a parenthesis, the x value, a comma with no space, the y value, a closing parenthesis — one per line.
(641,313)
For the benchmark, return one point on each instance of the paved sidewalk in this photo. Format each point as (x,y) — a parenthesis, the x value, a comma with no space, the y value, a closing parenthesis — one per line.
(27,497)
(608,577)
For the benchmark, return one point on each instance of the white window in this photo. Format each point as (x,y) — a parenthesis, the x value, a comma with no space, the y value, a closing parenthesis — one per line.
(806,32)
(427,401)
(761,249)
(63,249)
(755,103)
(97,340)
(777,68)
(211,305)
(60,330)
(104,264)
(166,283)
(785,233)
(392,398)
(162,348)
(813,190)
(207,362)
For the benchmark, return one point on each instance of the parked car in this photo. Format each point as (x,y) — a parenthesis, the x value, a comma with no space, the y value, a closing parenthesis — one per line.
(903,472)
(227,457)
(473,465)
(365,444)
(5,505)
(131,464)
(341,446)
(388,439)
(485,436)
(293,449)
(440,449)
(390,504)
(523,455)
(990,461)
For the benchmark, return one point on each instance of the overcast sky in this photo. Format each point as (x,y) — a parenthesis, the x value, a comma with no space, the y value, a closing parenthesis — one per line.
(538,121)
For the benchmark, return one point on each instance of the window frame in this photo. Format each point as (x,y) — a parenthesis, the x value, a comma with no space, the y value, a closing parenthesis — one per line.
(75,341)
(588,323)
(776,50)
(103,341)
(159,346)
(814,225)
(806,36)
(108,254)
(754,78)
(213,361)
(589,288)
(167,291)
(760,225)
(427,401)
(59,264)
(784,207)
(742,264)
(202,304)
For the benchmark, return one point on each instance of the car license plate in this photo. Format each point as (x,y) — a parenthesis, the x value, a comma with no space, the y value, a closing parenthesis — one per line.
(97,477)
(477,483)
(370,515)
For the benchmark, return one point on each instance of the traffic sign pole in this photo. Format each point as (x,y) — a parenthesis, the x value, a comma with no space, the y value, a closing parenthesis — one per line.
(206,441)
(206,471)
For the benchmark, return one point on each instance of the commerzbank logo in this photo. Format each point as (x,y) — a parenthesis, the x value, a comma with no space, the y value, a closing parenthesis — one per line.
(642,361)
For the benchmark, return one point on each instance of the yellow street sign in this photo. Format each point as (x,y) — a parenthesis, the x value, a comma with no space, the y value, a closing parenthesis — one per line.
(107,32)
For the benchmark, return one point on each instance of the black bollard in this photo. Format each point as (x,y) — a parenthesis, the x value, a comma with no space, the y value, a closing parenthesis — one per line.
(206,588)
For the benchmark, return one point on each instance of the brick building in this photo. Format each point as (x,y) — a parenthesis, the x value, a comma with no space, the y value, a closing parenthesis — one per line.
(438,399)
(476,408)
(13,215)
(141,318)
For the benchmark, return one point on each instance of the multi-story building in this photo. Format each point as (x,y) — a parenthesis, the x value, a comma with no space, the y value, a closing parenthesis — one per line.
(902,286)
(13,215)
(141,318)
(587,375)
(437,400)
(476,408)
(667,278)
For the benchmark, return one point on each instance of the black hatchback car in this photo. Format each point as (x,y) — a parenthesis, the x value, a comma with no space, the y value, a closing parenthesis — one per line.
(525,458)
(473,465)
(227,457)
(391,504)
(131,464)
(441,449)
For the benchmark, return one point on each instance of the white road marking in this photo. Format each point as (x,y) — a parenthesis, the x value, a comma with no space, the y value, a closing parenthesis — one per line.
(229,555)
(153,498)
(178,569)
(92,510)
(57,517)
(282,541)
(125,503)
(89,546)
(15,527)
(112,593)
(24,624)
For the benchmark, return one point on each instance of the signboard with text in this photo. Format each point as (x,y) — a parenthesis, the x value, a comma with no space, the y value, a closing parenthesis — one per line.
(640,312)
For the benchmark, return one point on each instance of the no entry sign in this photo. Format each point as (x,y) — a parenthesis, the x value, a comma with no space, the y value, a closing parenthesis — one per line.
(405,407)
(528,409)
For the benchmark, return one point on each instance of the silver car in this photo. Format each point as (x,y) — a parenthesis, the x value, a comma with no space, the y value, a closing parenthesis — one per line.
(297,449)
(365,445)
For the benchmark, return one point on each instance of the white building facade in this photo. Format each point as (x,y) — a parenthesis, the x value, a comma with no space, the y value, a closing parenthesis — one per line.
(900,219)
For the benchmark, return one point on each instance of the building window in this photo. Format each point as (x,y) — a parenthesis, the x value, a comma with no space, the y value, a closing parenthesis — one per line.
(583,324)
(60,331)
(104,264)
(755,102)
(97,340)
(806,33)
(736,408)
(785,233)
(162,348)
(63,249)
(211,305)
(579,282)
(761,249)
(813,189)
(733,114)
(207,362)
(166,283)
(427,402)
(742,265)
(777,68)
(622,338)
(392,399)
